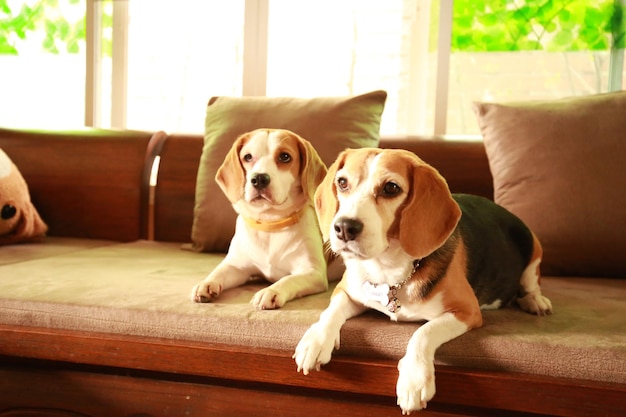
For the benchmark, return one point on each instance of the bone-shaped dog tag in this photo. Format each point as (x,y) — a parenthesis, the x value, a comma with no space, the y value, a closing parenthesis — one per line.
(376,292)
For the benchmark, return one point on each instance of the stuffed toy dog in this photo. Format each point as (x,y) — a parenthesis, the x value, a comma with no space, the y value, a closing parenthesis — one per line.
(19,220)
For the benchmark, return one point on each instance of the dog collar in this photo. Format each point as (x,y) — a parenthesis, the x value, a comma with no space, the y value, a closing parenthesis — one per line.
(276,225)
(385,294)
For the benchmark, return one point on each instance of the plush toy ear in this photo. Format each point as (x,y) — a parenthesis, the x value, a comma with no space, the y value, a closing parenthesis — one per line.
(312,168)
(231,176)
(430,215)
(326,203)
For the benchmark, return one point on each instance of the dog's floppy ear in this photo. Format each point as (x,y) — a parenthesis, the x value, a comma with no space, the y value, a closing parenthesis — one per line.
(312,168)
(430,215)
(326,203)
(231,176)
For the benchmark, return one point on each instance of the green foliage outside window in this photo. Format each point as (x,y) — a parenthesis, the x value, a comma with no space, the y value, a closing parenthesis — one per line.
(549,25)
(478,25)
(19,20)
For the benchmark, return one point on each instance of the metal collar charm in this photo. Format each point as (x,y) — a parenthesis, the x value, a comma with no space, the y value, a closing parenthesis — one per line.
(386,295)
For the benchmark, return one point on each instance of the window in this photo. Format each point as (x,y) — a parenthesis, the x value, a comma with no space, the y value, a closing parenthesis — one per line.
(178,57)
(42,64)
(330,47)
(154,64)
(529,49)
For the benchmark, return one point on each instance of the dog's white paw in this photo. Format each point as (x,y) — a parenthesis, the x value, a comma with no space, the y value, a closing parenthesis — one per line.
(535,303)
(206,291)
(315,348)
(416,384)
(268,299)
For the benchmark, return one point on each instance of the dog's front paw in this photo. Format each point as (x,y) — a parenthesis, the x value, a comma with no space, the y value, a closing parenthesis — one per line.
(268,299)
(206,291)
(535,303)
(315,348)
(416,384)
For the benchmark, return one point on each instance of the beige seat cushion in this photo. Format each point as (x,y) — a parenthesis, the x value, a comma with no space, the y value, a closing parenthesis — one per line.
(561,167)
(49,246)
(331,124)
(142,289)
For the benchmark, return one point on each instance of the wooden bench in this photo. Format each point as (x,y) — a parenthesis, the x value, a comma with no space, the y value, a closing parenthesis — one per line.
(96,185)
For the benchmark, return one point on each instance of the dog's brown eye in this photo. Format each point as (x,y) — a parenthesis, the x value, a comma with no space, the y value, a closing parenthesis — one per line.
(247,157)
(284,157)
(391,189)
(342,183)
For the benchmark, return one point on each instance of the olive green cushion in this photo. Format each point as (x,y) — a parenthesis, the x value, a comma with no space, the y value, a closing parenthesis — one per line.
(331,124)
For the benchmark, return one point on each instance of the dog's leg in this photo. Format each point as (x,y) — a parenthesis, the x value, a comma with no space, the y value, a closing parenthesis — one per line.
(316,346)
(416,380)
(335,269)
(531,299)
(223,277)
(289,287)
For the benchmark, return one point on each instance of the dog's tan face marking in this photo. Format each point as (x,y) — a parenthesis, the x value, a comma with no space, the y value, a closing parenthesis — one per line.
(370,188)
(269,174)
(261,175)
(273,158)
(374,199)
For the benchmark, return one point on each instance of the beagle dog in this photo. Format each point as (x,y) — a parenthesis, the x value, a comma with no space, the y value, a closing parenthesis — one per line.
(416,252)
(270,177)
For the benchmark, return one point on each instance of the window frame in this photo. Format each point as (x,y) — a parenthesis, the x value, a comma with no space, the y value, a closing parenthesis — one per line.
(255,62)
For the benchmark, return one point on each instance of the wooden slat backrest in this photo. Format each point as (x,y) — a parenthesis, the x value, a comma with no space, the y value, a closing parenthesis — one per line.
(88,183)
(176,187)
(462,162)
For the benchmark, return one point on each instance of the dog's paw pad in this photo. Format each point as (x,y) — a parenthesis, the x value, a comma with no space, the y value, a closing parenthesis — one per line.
(416,385)
(205,292)
(315,348)
(267,299)
(535,304)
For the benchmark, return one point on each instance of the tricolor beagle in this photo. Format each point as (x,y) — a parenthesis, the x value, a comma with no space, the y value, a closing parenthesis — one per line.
(415,252)
(270,177)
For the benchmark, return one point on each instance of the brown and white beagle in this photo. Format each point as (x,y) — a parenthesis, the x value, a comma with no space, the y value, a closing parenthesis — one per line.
(416,252)
(270,177)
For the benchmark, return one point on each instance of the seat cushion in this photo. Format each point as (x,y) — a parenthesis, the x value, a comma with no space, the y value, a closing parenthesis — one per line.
(49,246)
(142,288)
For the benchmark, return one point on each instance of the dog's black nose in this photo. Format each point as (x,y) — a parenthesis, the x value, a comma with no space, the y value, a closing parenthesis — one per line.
(348,229)
(260,181)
